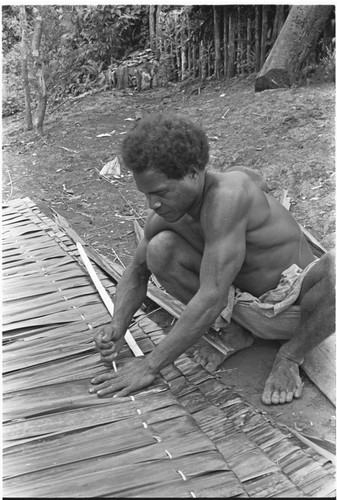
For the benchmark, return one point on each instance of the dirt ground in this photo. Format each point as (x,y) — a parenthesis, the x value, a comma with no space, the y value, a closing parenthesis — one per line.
(287,135)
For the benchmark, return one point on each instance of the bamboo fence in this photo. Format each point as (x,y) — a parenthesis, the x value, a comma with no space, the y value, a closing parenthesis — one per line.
(187,435)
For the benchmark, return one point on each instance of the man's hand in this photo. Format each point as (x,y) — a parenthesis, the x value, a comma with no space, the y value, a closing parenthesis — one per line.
(108,343)
(131,377)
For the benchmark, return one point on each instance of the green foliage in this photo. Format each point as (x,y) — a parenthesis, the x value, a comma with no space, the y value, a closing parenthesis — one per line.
(78,43)
(328,64)
(10,27)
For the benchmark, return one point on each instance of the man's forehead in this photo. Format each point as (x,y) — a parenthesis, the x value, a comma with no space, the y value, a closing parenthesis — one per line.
(150,180)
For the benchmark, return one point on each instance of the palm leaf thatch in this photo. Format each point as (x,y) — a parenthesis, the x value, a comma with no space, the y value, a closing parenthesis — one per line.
(187,435)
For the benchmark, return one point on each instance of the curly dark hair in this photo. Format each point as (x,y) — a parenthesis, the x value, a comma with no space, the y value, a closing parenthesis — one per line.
(165,143)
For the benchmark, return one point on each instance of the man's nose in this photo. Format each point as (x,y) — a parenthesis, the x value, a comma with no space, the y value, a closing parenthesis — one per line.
(154,203)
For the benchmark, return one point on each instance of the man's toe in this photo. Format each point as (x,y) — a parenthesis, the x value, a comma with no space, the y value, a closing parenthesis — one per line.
(266,397)
(283,396)
(289,396)
(298,392)
(275,399)
(211,367)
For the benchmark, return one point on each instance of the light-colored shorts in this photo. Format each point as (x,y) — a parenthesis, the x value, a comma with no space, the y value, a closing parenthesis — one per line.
(273,315)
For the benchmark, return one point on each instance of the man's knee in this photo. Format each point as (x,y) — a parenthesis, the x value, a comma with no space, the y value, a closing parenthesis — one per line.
(160,251)
(318,290)
(323,272)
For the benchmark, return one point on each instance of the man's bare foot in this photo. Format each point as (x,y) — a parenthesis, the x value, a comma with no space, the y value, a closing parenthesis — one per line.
(232,341)
(284,382)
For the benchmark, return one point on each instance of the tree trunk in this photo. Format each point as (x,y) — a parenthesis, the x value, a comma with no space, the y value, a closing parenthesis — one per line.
(183,58)
(209,54)
(225,42)
(257,38)
(203,61)
(38,65)
(176,46)
(231,45)
(278,23)
(189,48)
(158,33)
(239,47)
(152,10)
(24,66)
(264,28)
(249,44)
(217,61)
(296,41)
(195,58)
(183,47)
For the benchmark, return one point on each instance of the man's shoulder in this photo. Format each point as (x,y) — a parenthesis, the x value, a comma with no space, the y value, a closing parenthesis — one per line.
(228,187)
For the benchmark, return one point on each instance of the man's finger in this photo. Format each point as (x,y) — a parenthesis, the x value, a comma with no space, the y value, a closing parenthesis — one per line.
(113,386)
(103,377)
(108,351)
(124,392)
(103,345)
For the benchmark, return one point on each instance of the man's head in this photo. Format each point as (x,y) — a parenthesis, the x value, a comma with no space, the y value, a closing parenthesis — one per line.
(166,143)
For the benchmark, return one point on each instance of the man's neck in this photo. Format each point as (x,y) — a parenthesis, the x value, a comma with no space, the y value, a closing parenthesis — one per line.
(195,209)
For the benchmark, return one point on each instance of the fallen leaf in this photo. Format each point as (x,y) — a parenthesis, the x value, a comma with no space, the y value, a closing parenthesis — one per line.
(112,168)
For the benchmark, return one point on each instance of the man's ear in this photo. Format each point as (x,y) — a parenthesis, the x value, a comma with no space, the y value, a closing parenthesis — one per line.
(194,172)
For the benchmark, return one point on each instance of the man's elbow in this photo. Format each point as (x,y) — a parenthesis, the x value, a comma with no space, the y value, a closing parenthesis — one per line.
(214,301)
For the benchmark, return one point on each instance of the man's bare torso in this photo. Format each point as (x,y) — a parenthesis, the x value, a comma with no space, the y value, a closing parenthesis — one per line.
(273,239)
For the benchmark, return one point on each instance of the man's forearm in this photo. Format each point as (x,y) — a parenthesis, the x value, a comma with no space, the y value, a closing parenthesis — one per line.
(130,295)
(198,316)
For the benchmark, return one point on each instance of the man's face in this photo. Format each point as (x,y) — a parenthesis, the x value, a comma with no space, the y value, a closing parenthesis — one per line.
(169,198)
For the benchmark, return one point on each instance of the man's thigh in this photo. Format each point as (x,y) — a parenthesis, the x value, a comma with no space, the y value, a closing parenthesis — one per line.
(283,326)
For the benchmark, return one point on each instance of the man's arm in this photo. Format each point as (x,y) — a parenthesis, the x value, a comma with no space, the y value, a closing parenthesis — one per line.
(130,294)
(225,231)
(224,253)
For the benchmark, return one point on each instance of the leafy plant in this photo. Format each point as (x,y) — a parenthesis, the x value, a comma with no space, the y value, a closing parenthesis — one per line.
(328,64)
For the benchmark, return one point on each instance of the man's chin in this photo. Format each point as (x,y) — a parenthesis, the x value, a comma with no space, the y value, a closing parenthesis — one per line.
(171,217)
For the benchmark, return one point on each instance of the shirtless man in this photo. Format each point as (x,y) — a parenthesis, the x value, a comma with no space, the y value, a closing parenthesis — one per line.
(210,237)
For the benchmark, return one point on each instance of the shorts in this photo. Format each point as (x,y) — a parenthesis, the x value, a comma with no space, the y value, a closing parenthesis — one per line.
(271,316)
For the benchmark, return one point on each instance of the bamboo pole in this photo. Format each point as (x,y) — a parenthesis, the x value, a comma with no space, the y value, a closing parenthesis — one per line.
(106,299)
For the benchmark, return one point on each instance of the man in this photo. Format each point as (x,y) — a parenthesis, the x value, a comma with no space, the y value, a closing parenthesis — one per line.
(233,254)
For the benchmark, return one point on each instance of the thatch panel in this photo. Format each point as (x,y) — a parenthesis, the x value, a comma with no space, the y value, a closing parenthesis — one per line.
(251,464)
(213,485)
(114,411)
(275,485)
(92,314)
(186,435)
(74,446)
(37,285)
(63,396)
(53,350)
(120,474)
